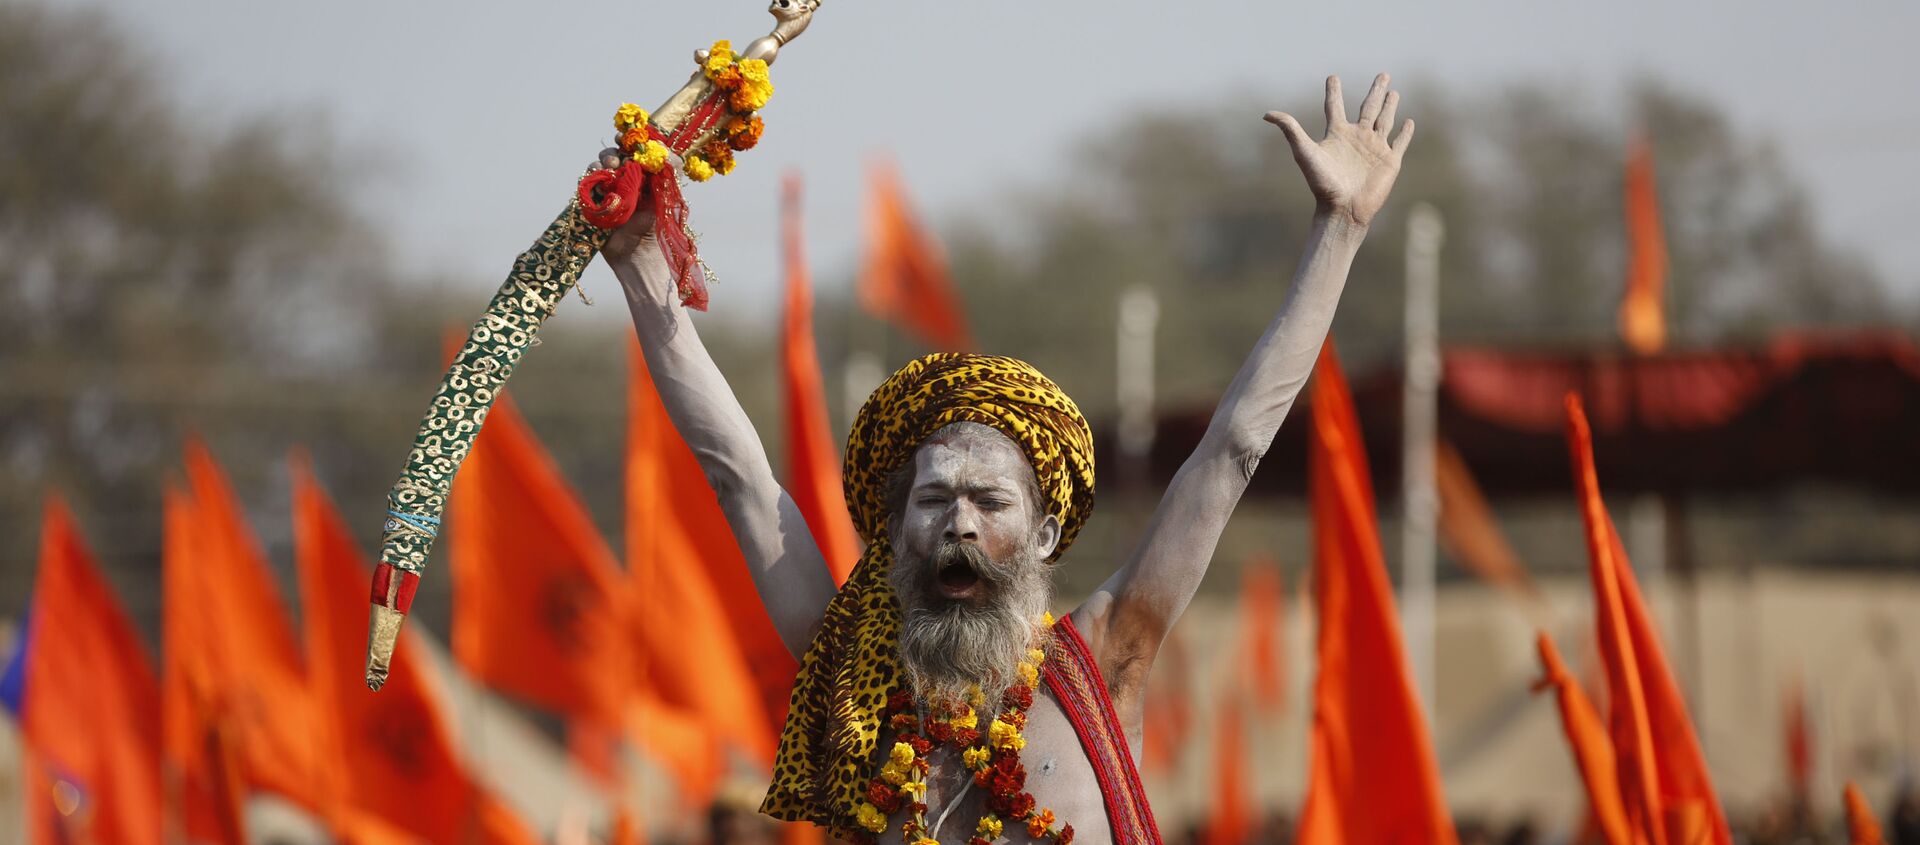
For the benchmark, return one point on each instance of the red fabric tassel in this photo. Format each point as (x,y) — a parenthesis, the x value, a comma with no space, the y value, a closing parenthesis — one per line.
(609,197)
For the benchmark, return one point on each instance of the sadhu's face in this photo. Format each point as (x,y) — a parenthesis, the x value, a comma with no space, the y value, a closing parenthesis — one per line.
(973,496)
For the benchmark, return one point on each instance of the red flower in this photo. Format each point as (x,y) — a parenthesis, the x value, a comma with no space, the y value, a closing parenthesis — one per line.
(900,701)
(729,79)
(982,777)
(921,747)
(978,841)
(940,731)
(1022,805)
(882,796)
(965,737)
(904,722)
(1018,697)
(1066,835)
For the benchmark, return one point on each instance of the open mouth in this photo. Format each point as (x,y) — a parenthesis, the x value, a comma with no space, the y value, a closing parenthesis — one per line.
(957,580)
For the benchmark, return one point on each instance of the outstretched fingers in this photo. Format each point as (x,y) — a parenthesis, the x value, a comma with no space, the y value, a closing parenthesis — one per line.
(1384,123)
(1296,134)
(1336,105)
(1400,141)
(1370,108)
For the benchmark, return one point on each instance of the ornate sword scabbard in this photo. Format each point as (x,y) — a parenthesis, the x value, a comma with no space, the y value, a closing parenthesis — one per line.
(704,123)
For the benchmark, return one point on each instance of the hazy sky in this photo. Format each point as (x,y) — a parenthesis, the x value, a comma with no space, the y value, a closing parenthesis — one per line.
(470,120)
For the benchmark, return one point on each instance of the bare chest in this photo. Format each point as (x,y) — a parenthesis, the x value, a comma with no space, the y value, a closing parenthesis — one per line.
(1059,777)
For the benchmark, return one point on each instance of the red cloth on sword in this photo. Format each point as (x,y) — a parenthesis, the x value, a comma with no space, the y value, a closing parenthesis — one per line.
(398,776)
(1665,788)
(89,711)
(538,597)
(1372,776)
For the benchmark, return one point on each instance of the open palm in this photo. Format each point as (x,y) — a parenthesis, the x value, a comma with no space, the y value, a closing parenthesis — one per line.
(1351,169)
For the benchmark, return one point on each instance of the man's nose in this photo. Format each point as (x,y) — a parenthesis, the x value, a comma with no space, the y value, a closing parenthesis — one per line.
(963,523)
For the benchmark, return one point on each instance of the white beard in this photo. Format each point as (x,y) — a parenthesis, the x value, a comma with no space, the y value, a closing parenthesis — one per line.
(949,648)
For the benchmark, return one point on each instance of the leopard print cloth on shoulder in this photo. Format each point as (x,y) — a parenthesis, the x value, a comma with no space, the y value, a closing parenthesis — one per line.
(833,724)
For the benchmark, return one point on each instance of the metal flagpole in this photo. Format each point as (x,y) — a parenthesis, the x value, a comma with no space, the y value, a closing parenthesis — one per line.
(1420,503)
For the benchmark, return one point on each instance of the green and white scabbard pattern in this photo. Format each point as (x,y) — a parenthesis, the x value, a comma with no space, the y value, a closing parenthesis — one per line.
(541,277)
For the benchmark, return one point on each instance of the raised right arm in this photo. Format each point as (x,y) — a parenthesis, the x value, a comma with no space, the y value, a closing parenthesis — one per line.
(787,567)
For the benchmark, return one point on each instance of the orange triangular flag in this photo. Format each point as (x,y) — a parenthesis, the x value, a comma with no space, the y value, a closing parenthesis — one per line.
(1372,776)
(1262,599)
(1664,782)
(536,592)
(904,278)
(1799,743)
(1592,749)
(203,776)
(625,831)
(1168,708)
(813,465)
(1231,817)
(706,645)
(1643,321)
(396,768)
(231,634)
(1468,530)
(1862,827)
(89,709)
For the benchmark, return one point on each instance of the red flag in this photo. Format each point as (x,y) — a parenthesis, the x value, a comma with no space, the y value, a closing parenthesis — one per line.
(1799,742)
(706,644)
(813,465)
(1664,782)
(1862,827)
(904,277)
(230,636)
(1592,748)
(1643,322)
(1261,602)
(536,590)
(89,709)
(396,770)
(1168,709)
(1231,819)
(204,778)
(1372,775)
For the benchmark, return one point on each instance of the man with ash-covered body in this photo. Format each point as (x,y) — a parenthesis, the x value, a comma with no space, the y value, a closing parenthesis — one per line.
(967,476)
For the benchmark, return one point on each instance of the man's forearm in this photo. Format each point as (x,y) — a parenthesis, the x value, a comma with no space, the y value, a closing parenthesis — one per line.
(1264,390)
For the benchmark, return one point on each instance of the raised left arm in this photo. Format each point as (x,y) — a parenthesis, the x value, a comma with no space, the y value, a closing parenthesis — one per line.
(1351,171)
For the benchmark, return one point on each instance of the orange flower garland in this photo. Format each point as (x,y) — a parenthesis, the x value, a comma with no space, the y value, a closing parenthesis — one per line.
(746,86)
(993,756)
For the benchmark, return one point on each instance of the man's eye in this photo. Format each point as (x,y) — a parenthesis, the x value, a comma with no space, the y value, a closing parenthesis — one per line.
(930,501)
(992,505)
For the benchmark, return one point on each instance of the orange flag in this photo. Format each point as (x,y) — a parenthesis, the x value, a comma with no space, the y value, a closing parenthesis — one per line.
(1643,321)
(1231,819)
(706,645)
(1469,531)
(1372,776)
(89,711)
(203,778)
(229,637)
(1592,749)
(1862,828)
(536,591)
(1664,782)
(1799,742)
(1168,710)
(904,278)
(813,465)
(397,771)
(1261,601)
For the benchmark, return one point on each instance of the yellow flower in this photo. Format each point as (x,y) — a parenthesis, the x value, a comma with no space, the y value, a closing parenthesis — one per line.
(902,754)
(653,156)
(915,788)
(990,827)
(723,165)
(720,57)
(967,721)
(974,696)
(751,97)
(1046,619)
(871,818)
(926,841)
(976,759)
(1036,656)
(895,775)
(1028,675)
(754,70)
(1005,736)
(698,169)
(629,116)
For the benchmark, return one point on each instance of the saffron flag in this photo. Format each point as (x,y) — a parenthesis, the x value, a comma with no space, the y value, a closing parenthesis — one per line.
(1372,775)
(904,278)
(1261,600)
(537,593)
(398,776)
(1665,787)
(1799,743)
(89,704)
(1469,531)
(1231,820)
(1862,827)
(1592,748)
(706,645)
(1168,709)
(203,777)
(229,636)
(1643,321)
(813,465)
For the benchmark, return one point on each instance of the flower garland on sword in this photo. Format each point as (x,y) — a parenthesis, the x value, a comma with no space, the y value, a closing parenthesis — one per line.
(712,117)
(992,756)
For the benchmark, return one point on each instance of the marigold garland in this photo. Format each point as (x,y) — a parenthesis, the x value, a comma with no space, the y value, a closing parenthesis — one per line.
(992,756)
(745,86)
